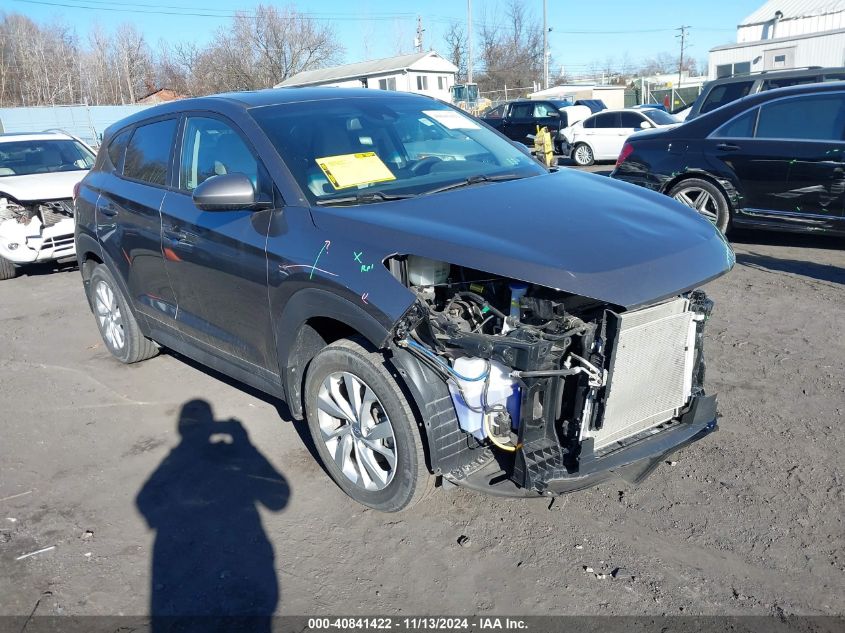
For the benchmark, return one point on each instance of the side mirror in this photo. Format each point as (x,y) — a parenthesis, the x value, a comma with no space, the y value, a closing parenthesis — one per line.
(554,115)
(226,192)
(646,125)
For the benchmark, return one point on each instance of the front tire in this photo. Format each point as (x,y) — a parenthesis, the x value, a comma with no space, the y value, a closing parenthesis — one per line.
(582,154)
(705,198)
(7,269)
(364,428)
(117,324)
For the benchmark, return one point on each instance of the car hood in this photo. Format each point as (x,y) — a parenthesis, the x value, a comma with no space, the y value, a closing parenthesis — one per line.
(46,186)
(577,232)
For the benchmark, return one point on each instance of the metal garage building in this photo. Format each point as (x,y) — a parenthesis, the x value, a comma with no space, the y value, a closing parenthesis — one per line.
(784,34)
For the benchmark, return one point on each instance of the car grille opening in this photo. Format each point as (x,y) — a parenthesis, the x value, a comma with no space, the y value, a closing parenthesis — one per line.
(54,211)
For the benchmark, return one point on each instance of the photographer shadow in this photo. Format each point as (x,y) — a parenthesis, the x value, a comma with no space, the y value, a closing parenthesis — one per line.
(212,561)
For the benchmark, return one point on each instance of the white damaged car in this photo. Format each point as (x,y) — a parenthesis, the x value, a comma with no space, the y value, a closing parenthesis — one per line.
(38,173)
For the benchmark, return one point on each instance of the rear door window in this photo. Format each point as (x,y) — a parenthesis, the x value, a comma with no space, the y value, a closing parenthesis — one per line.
(811,117)
(726,93)
(740,127)
(544,110)
(117,148)
(522,111)
(607,120)
(148,152)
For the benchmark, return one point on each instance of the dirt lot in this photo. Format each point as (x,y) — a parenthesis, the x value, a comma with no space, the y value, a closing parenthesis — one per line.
(747,521)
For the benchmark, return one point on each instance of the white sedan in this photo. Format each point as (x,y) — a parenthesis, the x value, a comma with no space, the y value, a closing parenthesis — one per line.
(601,136)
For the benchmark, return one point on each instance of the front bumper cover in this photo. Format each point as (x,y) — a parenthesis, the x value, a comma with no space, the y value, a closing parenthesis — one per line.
(635,462)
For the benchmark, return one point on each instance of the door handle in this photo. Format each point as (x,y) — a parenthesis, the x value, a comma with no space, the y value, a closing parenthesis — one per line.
(109,211)
(728,147)
(175,234)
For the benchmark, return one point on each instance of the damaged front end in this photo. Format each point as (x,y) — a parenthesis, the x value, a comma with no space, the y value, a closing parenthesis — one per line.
(33,231)
(551,391)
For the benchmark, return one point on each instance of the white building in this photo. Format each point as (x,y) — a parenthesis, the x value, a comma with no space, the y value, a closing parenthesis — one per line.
(784,34)
(425,73)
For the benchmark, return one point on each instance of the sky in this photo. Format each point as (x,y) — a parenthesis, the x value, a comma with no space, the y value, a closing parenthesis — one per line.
(584,32)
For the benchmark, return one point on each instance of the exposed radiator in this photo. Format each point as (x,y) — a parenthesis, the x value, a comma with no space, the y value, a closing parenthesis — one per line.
(649,371)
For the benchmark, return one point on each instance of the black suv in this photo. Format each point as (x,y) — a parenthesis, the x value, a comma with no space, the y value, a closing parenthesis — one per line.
(519,120)
(431,299)
(724,90)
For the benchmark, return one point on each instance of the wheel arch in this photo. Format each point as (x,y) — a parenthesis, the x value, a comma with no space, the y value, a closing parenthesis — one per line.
(582,142)
(88,255)
(725,186)
(312,319)
(446,446)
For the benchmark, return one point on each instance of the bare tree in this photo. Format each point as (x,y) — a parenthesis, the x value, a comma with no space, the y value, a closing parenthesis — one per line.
(402,39)
(456,43)
(135,62)
(262,50)
(664,63)
(511,49)
(46,64)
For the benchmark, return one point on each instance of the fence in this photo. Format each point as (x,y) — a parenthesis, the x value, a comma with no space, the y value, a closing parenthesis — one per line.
(507,94)
(85,122)
(673,98)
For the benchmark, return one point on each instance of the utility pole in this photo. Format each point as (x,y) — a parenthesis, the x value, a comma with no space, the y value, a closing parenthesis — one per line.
(418,40)
(545,47)
(469,41)
(683,37)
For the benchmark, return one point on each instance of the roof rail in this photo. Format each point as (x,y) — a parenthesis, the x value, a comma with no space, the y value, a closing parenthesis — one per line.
(776,70)
(66,133)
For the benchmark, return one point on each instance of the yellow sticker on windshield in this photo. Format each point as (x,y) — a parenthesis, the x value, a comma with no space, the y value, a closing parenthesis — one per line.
(351,170)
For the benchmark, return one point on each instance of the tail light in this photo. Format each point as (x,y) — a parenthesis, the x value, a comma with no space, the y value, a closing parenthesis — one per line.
(627,148)
(76,190)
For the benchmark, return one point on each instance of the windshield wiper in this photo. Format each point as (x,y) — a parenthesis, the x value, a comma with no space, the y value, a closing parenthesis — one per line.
(364,198)
(474,180)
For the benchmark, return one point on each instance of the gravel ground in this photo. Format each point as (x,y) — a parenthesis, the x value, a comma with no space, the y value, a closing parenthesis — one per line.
(747,521)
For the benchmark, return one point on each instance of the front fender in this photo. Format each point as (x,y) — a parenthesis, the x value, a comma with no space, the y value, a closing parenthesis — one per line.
(310,303)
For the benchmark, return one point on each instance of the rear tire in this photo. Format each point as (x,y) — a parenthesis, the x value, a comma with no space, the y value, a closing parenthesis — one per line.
(582,154)
(364,428)
(705,198)
(7,269)
(117,324)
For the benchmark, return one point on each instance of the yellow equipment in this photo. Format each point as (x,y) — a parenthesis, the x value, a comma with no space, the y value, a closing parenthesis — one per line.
(543,147)
(465,96)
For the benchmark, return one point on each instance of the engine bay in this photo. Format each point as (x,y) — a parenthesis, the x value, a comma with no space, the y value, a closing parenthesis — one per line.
(48,212)
(529,367)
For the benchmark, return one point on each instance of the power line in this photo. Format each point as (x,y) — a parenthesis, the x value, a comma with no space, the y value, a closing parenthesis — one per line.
(191,13)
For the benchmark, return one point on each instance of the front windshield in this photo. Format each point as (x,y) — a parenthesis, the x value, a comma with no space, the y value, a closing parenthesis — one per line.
(396,147)
(660,117)
(22,158)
